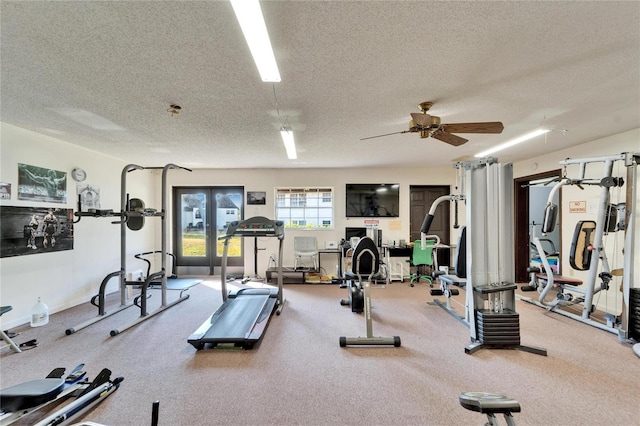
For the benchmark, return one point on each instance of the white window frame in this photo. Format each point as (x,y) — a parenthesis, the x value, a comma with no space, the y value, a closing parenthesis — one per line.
(311,205)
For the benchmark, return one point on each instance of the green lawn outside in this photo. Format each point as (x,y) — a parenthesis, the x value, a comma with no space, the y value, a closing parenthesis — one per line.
(194,244)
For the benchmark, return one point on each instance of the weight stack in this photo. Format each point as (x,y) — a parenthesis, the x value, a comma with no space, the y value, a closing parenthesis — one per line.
(500,329)
(634,313)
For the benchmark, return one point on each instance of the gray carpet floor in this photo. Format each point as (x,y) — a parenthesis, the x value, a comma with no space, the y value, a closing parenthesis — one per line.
(299,375)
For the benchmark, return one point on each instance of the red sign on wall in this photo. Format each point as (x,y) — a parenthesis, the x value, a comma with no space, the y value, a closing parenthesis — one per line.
(577,206)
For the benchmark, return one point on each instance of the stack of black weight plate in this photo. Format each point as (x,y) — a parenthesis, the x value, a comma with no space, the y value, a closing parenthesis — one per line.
(501,329)
(634,313)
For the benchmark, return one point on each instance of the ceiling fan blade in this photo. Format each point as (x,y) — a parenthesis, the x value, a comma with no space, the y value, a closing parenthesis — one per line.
(449,138)
(488,127)
(422,120)
(386,134)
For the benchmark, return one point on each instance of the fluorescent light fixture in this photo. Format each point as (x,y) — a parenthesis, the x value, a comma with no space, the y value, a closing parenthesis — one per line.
(87,118)
(251,22)
(512,142)
(289,143)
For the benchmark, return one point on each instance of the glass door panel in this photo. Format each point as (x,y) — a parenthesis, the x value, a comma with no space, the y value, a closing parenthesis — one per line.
(229,202)
(196,245)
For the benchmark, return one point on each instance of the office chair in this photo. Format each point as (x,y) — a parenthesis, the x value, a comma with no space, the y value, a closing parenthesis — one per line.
(305,247)
(423,261)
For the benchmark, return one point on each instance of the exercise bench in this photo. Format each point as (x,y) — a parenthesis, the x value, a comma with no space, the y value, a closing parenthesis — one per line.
(491,404)
(5,337)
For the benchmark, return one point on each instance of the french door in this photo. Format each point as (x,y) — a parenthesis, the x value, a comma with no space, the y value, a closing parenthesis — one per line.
(201,215)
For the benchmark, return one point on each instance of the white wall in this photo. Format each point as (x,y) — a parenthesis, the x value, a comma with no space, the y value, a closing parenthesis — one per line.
(66,278)
(268,179)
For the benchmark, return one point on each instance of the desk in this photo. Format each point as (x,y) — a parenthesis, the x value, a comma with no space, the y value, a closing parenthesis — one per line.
(396,271)
(339,264)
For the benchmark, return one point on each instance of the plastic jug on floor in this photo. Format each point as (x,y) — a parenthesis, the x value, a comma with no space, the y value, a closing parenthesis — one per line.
(39,314)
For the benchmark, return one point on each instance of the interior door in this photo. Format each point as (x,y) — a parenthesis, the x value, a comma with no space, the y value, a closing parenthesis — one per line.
(421,199)
(201,216)
(523,221)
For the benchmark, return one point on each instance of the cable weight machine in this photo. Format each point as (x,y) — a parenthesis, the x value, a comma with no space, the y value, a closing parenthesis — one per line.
(486,187)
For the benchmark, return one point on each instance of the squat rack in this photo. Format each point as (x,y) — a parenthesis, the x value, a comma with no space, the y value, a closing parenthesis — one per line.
(132,216)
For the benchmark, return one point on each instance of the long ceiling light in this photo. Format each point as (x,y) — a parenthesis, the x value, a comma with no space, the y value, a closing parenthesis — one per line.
(512,142)
(251,22)
(289,143)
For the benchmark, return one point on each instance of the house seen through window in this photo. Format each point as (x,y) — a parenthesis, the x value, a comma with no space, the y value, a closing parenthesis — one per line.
(305,208)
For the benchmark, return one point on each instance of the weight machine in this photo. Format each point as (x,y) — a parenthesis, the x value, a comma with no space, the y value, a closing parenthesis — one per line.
(588,251)
(55,400)
(490,310)
(132,215)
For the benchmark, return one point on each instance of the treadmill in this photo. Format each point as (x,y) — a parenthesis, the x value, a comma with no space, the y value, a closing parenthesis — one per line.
(244,315)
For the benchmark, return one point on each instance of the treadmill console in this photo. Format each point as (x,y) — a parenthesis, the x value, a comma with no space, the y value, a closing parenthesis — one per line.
(257,226)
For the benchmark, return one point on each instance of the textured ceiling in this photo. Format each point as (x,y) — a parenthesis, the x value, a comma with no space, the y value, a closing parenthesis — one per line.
(102,74)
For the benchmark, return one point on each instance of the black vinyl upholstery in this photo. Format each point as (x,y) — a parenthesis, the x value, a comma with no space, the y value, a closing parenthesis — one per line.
(365,259)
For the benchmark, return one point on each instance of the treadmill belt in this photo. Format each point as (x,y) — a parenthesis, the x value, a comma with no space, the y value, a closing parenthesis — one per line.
(237,319)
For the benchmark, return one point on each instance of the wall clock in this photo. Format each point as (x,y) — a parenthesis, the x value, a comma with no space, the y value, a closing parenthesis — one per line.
(78,174)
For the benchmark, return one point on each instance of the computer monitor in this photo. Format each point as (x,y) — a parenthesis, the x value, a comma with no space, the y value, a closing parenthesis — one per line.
(354,232)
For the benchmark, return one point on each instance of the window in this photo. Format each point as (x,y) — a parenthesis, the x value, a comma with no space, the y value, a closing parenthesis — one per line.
(305,208)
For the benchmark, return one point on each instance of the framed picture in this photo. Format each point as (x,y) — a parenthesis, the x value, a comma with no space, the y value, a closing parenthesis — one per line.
(89,197)
(256,197)
(41,184)
(5,191)
(34,230)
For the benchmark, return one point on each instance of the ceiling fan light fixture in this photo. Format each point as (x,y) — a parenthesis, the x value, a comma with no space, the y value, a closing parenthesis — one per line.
(512,142)
(249,15)
(289,143)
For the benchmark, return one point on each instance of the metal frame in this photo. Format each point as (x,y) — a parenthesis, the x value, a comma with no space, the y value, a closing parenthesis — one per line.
(490,287)
(231,232)
(599,260)
(370,339)
(141,300)
(10,343)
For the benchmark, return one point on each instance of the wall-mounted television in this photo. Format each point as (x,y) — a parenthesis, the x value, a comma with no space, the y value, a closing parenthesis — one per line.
(373,200)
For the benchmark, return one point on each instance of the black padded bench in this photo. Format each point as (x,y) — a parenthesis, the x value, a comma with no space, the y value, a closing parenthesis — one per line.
(490,404)
(453,280)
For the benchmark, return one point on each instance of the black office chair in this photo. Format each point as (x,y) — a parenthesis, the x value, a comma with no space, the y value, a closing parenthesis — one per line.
(365,267)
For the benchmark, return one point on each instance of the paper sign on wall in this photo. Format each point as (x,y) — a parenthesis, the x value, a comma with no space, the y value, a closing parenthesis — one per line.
(577,206)
(395,225)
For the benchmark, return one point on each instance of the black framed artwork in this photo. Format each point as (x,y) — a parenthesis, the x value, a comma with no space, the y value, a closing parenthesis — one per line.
(34,230)
(256,197)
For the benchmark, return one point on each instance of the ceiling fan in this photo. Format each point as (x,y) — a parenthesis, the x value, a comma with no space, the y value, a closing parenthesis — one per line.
(430,126)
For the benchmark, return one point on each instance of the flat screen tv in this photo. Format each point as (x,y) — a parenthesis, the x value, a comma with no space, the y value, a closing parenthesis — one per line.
(373,200)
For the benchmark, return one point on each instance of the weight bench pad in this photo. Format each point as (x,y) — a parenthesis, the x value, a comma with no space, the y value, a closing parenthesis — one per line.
(485,402)
(30,394)
(453,280)
(559,279)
